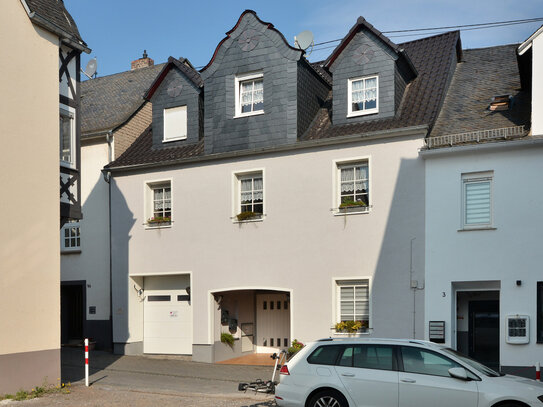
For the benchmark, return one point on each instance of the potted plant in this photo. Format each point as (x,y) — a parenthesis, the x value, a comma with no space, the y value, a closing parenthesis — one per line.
(351,327)
(159,221)
(294,348)
(248,215)
(352,206)
(227,338)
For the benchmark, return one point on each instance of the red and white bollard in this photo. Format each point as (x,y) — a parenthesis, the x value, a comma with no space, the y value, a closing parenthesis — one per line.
(537,372)
(86,362)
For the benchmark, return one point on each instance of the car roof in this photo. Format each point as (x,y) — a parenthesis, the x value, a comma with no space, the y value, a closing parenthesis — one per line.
(383,341)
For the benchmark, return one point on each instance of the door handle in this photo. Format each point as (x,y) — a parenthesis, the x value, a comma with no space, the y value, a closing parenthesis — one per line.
(348,374)
(408,380)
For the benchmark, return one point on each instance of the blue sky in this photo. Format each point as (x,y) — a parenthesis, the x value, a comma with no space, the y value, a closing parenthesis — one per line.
(118,31)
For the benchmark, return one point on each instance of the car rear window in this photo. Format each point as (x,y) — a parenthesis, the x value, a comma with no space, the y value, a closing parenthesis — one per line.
(325,355)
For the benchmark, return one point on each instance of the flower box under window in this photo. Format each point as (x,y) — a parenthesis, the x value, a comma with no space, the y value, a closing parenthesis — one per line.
(159,221)
(351,327)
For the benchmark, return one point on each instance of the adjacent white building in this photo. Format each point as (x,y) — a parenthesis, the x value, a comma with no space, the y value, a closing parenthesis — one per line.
(484,289)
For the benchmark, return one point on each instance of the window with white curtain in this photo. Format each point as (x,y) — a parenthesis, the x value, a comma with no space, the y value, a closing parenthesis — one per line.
(249,193)
(70,237)
(353,186)
(159,203)
(353,301)
(477,200)
(249,94)
(363,95)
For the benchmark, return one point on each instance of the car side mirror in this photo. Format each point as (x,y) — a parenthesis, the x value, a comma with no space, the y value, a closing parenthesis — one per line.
(459,373)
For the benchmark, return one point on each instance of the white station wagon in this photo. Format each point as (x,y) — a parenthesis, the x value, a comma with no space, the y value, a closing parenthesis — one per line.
(396,373)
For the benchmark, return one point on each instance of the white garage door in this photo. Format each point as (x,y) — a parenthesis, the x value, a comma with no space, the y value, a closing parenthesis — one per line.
(167,324)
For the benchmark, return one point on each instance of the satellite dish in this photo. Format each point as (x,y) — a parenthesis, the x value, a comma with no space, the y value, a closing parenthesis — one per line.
(90,69)
(304,40)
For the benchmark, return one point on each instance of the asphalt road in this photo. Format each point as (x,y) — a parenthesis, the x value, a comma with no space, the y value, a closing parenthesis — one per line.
(153,381)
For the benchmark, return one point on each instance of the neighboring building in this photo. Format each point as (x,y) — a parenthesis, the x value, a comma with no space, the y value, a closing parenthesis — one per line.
(41,45)
(113,114)
(273,198)
(483,227)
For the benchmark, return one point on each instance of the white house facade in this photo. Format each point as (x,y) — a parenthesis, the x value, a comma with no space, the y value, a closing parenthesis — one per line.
(259,206)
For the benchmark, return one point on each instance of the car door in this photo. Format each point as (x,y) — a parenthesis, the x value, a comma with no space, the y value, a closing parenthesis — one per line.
(369,374)
(424,381)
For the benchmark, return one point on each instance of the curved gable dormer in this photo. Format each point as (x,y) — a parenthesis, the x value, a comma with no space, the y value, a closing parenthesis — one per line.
(370,74)
(250,94)
(176,97)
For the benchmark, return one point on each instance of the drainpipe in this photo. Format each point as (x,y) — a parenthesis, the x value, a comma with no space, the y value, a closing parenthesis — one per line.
(413,287)
(107,178)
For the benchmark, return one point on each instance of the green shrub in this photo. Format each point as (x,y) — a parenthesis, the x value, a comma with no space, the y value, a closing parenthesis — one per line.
(227,338)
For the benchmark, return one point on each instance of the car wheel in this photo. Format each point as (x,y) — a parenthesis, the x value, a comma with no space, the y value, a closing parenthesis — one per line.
(328,398)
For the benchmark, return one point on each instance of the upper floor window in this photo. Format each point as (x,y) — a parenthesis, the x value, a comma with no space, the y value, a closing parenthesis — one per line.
(477,200)
(249,94)
(363,95)
(353,187)
(250,196)
(175,123)
(159,205)
(70,237)
(67,138)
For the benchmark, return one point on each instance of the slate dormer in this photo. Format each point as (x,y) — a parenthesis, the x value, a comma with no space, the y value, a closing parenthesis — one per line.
(177,99)
(259,91)
(370,74)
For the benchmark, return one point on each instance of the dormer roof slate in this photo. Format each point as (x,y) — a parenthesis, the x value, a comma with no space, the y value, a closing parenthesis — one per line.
(183,65)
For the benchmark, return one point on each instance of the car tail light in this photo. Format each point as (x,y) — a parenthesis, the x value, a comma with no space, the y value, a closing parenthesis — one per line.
(284,370)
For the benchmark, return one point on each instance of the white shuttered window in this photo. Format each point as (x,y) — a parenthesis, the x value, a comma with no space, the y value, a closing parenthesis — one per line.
(353,298)
(175,123)
(477,200)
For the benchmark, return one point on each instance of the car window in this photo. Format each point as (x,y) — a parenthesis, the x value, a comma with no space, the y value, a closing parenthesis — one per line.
(346,358)
(325,355)
(373,357)
(417,360)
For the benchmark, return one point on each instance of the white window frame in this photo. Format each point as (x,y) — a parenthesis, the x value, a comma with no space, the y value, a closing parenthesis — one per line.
(238,81)
(183,134)
(237,177)
(336,200)
(66,227)
(473,178)
(336,303)
(73,151)
(148,196)
(350,112)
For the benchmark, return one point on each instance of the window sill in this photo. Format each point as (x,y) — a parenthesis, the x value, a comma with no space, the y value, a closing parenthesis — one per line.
(163,225)
(259,112)
(351,211)
(67,165)
(255,219)
(174,139)
(362,113)
(476,229)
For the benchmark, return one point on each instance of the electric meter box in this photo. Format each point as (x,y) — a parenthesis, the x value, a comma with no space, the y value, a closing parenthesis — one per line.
(517,329)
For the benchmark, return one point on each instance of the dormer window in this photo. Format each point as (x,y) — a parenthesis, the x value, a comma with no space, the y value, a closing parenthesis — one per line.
(363,94)
(175,123)
(249,95)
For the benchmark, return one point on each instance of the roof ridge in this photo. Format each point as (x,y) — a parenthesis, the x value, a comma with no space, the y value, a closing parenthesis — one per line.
(124,72)
(431,37)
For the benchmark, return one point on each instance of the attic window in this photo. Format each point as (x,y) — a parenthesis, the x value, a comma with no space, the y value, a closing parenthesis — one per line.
(501,102)
(363,95)
(249,95)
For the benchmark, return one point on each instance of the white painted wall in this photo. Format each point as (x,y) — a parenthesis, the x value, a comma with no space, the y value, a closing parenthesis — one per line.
(92,263)
(509,253)
(537,86)
(300,245)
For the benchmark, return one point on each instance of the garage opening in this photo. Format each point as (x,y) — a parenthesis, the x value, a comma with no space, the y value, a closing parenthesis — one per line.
(167,315)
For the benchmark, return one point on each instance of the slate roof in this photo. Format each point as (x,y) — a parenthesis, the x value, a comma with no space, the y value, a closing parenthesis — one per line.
(433,57)
(55,12)
(483,73)
(108,101)
(190,73)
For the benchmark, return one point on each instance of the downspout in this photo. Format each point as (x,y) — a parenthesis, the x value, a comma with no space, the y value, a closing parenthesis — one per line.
(107,178)
(414,288)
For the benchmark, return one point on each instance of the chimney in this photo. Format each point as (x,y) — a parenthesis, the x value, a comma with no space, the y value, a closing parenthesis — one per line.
(143,62)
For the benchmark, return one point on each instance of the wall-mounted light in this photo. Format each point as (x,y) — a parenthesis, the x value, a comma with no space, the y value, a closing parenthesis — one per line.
(519,283)
(138,290)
